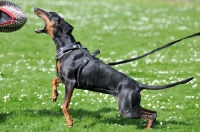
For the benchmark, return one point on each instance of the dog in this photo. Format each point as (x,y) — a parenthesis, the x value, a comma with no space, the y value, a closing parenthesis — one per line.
(77,68)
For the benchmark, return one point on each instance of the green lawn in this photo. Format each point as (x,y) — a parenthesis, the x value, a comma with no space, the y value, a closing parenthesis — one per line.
(121,29)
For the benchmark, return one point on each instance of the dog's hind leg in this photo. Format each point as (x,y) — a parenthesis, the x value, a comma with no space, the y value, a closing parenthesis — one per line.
(148,115)
(69,88)
(129,106)
(147,111)
(55,83)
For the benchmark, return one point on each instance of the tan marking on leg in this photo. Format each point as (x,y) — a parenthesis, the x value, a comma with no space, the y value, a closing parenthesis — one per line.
(55,83)
(65,109)
(148,115)
(58,65)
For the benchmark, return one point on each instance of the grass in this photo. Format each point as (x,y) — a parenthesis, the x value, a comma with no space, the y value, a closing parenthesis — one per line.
(121,30)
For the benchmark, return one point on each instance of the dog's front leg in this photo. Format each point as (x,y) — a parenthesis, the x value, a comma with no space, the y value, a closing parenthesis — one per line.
(55,83)
(69,88)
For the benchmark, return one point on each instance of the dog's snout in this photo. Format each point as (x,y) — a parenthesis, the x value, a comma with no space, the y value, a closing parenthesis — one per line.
(35,9)
(38,10)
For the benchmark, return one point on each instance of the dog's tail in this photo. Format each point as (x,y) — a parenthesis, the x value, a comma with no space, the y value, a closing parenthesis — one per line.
(152,87)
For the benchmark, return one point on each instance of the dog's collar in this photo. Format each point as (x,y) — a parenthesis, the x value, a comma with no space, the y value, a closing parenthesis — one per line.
(67,49)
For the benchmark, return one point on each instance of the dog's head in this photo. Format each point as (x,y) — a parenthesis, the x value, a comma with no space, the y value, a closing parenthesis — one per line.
(54,24)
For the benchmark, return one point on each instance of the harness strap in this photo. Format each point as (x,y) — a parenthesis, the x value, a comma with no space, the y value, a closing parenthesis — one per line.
(66,49)
(84,63)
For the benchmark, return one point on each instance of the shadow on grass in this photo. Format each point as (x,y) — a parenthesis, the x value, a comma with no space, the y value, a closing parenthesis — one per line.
(169,123)
(78,114)
(4,116)
(44,112)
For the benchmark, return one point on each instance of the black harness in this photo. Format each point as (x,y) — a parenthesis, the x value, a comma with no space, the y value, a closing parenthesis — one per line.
(67,49)
(84,63)
(64,50)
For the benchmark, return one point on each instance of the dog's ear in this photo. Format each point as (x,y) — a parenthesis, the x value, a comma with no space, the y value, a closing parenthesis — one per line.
(67,28)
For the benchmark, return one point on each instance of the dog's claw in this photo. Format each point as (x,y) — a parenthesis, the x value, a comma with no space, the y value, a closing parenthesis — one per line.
(54,100)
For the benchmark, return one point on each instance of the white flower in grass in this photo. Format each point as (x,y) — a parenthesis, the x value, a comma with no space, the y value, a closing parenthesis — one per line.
(43,103)
(23,95)
(112,52)
(85,91)
(5,97)
(194,86)
(189,97)
(149,104)
(179,107)
(60,92)
(155,82)
(197,105)
(153,96)
(162,107)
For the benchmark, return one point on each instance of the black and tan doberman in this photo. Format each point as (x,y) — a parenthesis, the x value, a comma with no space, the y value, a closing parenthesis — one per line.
(77,68)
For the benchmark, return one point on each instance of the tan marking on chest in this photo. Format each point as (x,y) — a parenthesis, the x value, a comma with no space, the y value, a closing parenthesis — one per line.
(58,65)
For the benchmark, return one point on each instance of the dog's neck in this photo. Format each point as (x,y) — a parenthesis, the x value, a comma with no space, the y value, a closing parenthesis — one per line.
(65,44)
(63,40)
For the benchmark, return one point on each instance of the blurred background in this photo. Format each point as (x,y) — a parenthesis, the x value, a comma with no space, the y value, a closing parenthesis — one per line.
(121,29)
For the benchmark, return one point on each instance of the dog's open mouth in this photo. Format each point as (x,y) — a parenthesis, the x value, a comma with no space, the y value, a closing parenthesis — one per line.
(40,13)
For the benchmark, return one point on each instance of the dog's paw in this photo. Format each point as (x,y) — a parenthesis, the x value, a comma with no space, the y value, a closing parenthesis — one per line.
(70,123)
(151,121)
(54,96)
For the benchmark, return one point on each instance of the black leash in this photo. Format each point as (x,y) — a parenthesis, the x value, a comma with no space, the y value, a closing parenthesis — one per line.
(153,51)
